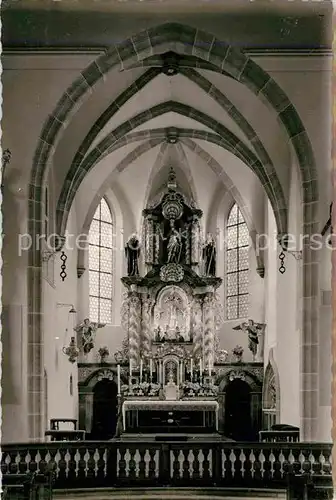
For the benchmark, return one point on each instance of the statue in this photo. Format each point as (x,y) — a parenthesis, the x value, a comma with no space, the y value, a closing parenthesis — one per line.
(209,256)
(252,329)
(132,253)
(174,246)
(88,329)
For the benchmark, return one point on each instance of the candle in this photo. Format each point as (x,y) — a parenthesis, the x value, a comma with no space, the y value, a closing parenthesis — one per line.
(118,369)
(151,368)
(191,367)
(130,370)
(140,371)
(201,368)
(209,369)
(181,372)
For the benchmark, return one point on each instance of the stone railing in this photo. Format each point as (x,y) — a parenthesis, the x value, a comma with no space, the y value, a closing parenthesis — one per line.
(114,463)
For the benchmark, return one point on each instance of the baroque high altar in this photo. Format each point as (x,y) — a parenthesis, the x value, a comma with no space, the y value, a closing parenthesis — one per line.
(170,315)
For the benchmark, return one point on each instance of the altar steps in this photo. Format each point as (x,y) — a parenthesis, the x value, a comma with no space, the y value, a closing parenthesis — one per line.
(168,493)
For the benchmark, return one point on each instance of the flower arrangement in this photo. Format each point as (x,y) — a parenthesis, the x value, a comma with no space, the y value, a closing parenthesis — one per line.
(238,352)
(103,352)
(192,389)
(142,389)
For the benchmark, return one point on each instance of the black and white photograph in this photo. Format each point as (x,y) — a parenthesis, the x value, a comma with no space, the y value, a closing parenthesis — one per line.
(167,247)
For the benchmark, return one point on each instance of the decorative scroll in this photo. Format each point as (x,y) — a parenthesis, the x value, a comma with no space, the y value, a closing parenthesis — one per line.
(146,331)
(134,329)
(208,330)
(172,272)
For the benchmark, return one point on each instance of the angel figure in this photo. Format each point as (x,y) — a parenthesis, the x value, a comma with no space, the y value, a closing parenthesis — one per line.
(253,330)
(87,329)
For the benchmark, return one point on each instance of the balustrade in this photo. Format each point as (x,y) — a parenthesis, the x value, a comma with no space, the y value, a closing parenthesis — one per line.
(112,463)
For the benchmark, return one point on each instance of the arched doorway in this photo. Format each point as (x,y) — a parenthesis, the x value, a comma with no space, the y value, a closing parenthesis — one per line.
(105,404)
(238,421)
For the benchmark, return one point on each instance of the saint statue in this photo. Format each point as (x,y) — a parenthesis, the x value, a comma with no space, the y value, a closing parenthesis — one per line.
(174,246)
(87,330)
(209,256)
(253,330)
(132,253)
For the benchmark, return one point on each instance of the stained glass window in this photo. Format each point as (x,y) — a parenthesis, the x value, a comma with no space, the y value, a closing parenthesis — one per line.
(237,265)
(101,264)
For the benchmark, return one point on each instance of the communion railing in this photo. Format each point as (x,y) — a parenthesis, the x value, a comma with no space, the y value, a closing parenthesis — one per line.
(97,463)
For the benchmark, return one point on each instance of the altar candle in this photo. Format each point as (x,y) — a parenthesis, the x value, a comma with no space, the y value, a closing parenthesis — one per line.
(191,367)
(118,369)
(140,370)
(151,368)
(209,369)
(130,370)
(181,372)
(201,368)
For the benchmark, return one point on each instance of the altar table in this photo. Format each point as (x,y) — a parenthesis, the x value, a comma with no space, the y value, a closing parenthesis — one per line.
(170,416)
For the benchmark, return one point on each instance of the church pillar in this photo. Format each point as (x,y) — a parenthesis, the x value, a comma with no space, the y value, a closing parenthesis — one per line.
(146,331)
(209,334)
(197,329)
(14,400)
(134,328)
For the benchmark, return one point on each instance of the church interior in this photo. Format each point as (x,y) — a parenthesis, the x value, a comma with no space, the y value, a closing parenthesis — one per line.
(166,278)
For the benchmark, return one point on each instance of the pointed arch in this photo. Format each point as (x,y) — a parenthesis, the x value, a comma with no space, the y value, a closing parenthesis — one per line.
(237,265)
(271,395)
(101,264)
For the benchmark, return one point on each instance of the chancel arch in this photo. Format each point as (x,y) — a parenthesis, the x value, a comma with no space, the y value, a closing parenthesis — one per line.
(172,34)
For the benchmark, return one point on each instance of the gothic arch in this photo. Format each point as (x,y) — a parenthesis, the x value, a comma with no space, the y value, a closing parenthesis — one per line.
(271,391)
(223,57)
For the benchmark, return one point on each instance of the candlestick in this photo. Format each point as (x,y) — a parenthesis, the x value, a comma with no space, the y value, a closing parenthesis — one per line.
(151,369)
(181,371)
(209,368)
(191,368)
(130,370)
(141,370)
(118,370)
(200,367)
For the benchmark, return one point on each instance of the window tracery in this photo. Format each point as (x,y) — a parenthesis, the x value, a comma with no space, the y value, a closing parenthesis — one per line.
(237,265)
(101,254)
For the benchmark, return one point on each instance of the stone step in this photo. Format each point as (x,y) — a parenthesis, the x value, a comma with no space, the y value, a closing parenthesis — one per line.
(168,493)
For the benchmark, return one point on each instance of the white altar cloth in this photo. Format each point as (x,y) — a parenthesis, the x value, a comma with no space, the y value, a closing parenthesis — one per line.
(179,405)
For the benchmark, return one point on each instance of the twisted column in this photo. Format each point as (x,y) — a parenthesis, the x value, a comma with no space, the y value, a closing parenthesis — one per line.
(195,241)
(197,328)
(187,246)
(146,330)
(209,333)
(150,239)
(134,328)
(157,243)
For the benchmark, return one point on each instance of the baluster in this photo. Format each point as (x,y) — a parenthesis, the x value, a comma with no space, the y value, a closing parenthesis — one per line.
(142,464)
(21,464)
(30,465)
(176,464)
(91,464)
(122,463)
(252,460)
(72,465)
(62,466)
(152,463)
(242,460)
(196,465)
(100,465)
(191,459)
(81,466)
(132,463)
(206,463)
(185,465)
(232,460)
(67,458)
(43,463)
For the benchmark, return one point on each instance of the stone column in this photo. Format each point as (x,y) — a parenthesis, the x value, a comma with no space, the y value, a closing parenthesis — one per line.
(134,328)
(17,351)
(150,241)
(195,240)
(146,334)
(197,328)
(209,333)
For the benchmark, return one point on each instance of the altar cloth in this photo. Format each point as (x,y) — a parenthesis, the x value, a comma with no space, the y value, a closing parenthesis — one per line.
(178,405)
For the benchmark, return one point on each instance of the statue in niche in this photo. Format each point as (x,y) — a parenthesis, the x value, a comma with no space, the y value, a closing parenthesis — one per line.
(174,246)
(253,330)
(132,253)
(209,256)
(87,330)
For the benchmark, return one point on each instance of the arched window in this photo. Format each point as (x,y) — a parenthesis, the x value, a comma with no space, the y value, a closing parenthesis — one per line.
(237,269)
(101,264)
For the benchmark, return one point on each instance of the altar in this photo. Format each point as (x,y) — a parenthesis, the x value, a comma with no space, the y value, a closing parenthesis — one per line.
(170,416)
(169,315)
